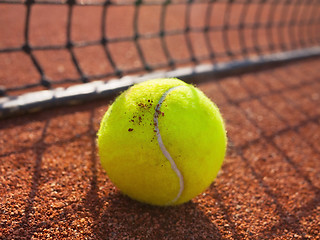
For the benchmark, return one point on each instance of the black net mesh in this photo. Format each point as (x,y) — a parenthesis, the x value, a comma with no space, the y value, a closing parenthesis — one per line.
(65,42)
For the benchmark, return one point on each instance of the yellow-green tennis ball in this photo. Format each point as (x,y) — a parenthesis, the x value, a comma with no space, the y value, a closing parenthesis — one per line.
(162,142)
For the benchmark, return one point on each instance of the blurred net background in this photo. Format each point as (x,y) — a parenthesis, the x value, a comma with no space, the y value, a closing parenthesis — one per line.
(61,43)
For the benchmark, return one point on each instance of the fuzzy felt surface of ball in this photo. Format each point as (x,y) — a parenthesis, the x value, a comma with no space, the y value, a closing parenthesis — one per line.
(162,142)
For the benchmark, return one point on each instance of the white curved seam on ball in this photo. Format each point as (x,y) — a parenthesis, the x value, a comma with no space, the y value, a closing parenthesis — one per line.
(163,148)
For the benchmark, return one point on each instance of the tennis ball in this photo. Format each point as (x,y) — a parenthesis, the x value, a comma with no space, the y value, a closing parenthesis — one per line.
(162,142)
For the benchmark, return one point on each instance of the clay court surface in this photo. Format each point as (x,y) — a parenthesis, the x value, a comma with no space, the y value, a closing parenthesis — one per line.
(52,185)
